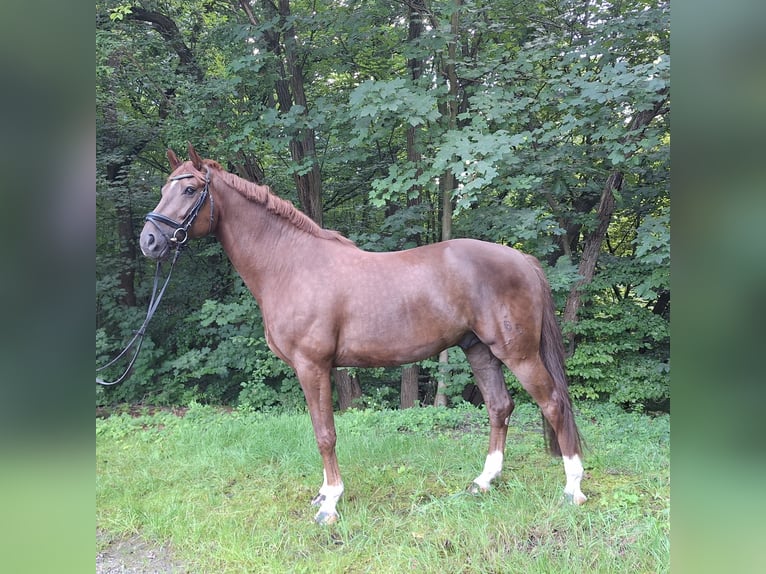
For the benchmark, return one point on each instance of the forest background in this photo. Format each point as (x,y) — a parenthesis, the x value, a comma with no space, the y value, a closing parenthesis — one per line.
(539,125)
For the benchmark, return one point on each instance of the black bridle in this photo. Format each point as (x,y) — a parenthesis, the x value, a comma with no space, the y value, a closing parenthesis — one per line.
(179,237)
(181,233)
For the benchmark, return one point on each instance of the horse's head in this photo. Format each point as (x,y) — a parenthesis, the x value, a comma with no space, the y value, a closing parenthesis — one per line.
(185,210)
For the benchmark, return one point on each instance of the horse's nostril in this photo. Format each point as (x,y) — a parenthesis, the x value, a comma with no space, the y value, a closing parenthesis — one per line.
(150,239)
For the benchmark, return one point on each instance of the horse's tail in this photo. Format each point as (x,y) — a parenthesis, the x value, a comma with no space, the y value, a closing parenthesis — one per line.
(552,355)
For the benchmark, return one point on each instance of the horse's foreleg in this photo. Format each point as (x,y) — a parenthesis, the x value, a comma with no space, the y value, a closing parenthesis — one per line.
(327,498)
(316,386)
(488,372)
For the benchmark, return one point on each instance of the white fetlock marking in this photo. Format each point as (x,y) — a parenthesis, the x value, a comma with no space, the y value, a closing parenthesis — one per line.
(492,468)
(331,494)
(574,471)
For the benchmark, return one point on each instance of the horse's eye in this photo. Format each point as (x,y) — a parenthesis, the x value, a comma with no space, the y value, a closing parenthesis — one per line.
(189,190)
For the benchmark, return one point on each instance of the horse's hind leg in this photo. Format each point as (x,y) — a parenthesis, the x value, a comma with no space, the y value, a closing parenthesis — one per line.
(488,372)
(557,410)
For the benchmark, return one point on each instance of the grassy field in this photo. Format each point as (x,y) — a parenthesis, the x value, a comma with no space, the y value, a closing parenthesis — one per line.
(230,492)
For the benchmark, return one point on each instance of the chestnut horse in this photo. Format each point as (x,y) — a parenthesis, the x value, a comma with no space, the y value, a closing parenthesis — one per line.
(326,304)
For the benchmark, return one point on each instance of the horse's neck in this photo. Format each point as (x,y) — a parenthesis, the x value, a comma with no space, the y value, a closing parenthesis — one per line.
(261,245)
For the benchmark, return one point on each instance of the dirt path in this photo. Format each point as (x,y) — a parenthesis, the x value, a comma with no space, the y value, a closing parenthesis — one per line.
(134,555)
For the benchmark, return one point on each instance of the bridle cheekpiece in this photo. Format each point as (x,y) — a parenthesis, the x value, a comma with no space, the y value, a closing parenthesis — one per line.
(181,234)
(179,237)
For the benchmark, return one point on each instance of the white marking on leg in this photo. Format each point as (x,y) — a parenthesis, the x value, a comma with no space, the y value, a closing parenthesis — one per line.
(331,496)
(574,471)
(492,468)
(327,500)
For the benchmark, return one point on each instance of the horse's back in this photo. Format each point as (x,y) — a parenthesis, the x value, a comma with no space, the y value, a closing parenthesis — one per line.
(492,265)
(456,254)
(450,273)
(402,306)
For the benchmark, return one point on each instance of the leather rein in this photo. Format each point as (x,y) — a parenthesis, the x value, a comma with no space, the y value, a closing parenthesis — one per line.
(179,237)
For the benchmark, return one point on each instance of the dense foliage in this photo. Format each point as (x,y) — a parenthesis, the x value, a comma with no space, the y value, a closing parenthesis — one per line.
(540,125)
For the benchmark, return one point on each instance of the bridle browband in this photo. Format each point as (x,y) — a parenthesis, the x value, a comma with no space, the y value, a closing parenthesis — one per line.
(181,228)
(181,233)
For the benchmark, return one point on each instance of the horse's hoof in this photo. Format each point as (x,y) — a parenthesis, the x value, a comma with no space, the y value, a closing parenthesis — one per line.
(476,489)
(576,499)
(326,518)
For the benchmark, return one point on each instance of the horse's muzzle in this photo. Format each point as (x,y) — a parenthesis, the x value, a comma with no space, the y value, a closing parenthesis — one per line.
(154,245)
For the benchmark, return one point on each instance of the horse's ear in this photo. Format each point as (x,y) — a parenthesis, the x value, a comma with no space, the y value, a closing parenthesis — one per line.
(173,159)
(194,157)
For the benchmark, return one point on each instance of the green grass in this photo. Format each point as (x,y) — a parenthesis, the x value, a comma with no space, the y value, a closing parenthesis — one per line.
(230,492)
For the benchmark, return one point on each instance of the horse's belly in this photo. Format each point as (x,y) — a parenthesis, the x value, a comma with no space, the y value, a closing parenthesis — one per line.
(395,342)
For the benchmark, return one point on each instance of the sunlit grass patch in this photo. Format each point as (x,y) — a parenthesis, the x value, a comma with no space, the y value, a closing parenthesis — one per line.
(231,492)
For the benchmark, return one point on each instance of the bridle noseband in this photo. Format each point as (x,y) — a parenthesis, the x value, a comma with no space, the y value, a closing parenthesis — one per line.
(181,233)
(179,237)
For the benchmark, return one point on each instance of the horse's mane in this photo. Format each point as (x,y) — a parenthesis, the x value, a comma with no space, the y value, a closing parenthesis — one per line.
(263,195)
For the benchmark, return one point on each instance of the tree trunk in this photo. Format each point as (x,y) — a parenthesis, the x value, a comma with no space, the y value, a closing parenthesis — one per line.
(282,42)
(168,29)
(591,250)
(116,174)
(447,181)
(408,395)
(118,170)
(127,244)
(593,242)
(348,387)
(447,184)
(441,400)
(303,147)
(662,304)
(409,392)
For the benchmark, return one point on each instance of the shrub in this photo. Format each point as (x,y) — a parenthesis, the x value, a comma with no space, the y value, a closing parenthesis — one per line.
(622,356)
